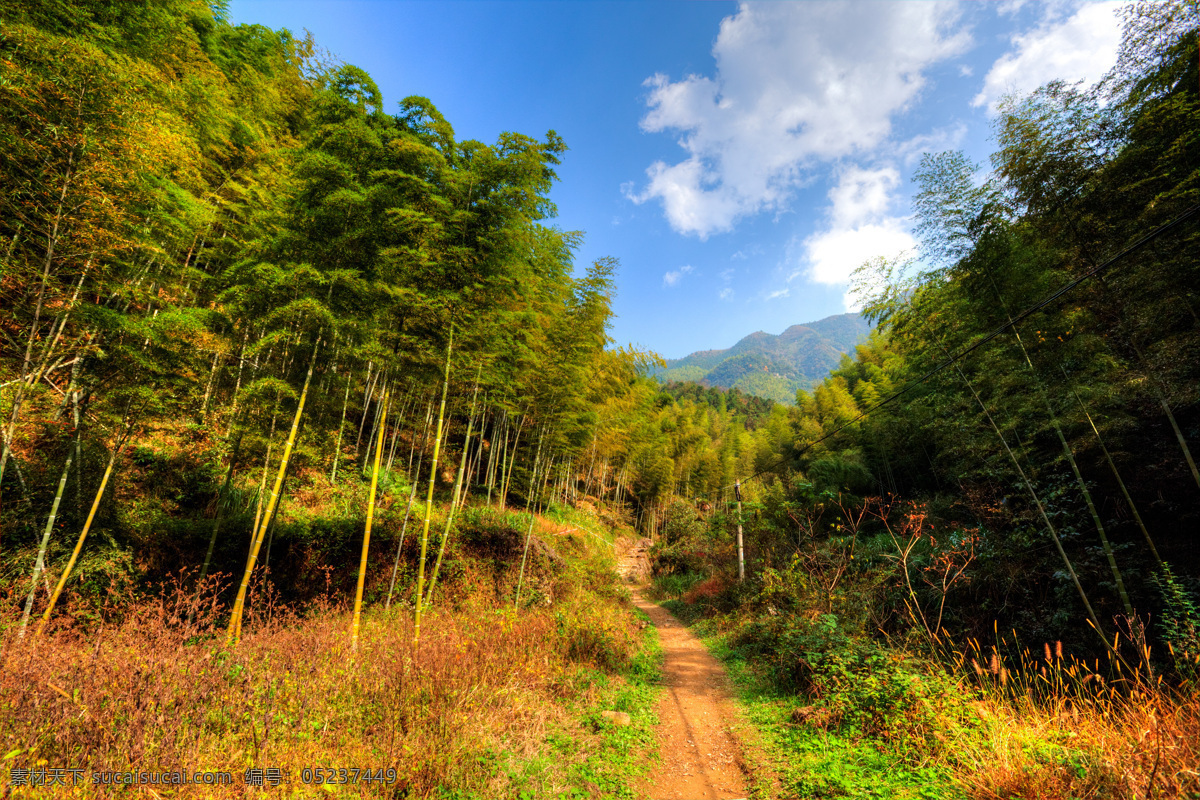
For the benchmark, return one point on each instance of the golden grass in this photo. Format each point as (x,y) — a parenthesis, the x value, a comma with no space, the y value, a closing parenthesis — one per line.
(1054,726)
(155,693)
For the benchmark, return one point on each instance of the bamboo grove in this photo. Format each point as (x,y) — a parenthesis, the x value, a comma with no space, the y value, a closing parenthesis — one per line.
(216,236)
(233,280)
(1053,467)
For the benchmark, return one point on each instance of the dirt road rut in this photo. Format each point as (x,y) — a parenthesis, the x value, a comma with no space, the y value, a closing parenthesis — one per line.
(701,760)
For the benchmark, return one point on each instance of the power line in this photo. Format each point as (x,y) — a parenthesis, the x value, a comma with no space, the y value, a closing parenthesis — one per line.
(1055,295)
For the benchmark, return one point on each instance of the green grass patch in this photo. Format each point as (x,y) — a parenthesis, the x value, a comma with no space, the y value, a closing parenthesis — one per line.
(824,750)
(674,586)
(589,756)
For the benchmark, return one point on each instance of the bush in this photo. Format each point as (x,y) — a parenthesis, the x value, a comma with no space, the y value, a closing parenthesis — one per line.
(865,688)
(674,586)
(682,549)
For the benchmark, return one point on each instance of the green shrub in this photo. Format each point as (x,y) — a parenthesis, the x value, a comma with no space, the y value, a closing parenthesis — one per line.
(866,688)
(673,586)
(1179,622)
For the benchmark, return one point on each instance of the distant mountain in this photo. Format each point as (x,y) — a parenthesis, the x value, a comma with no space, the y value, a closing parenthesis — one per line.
(774,367)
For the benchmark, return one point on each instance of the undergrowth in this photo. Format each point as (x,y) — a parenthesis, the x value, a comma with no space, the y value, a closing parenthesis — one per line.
(838,641)
(847,715)
(494,702)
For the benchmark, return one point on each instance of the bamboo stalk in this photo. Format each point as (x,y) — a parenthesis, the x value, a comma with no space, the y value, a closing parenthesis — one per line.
(1117,474)
(511,463)
(221,495)
(1183,445)
(39,565)
(366,405)
(437,443)
(546,477)
(212,376)
(237,386)
(1037,501)
(377,417)
(87,526)
(1068,453)
(1152,379)
(528,533)
(496,455)
(262,486)
(337,448)
(458,481)
(412,494)
(235,621)
(362,564)
(396,426)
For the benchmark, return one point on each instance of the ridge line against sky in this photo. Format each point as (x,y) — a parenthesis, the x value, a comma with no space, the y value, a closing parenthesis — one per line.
(741,160)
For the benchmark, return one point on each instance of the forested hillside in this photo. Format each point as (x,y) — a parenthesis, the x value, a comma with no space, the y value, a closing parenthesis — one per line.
(1039,382)
(1005,472)
(254,317)
(774,367)
(274,353)
(227,266)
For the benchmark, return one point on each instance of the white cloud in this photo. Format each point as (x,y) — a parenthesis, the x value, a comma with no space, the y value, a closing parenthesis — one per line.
(1081,46)
(835,254)
(862,195)
(726,293)
(936,141)
(794,83)
(1010,8)
(860,228)
(673,277)
(779,293)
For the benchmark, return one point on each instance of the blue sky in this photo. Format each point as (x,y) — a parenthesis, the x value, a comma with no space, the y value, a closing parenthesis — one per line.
(739,159)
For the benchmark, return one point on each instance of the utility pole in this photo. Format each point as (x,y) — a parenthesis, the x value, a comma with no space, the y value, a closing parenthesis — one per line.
(737,491)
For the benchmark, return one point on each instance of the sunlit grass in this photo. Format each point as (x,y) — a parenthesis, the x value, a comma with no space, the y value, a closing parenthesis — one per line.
(496,702)
(872,719)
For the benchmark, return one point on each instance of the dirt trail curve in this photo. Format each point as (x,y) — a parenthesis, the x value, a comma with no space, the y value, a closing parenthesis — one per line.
(700,758)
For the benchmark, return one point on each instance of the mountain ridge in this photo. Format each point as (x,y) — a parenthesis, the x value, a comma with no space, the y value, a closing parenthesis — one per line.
(774,366)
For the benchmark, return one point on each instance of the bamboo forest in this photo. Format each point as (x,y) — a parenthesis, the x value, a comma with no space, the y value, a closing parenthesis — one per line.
(324,474)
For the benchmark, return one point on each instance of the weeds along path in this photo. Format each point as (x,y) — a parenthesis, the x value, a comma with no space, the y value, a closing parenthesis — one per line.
(700,758)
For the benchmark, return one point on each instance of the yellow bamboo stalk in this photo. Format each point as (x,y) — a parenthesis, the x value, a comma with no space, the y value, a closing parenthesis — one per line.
(362,564)
(458,481)
(235,621)
(87,526)
(437,443)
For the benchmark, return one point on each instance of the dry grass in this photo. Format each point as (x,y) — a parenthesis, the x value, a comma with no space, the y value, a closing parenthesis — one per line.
(1053,726)
(988,722)
(155,693)
(1147,747)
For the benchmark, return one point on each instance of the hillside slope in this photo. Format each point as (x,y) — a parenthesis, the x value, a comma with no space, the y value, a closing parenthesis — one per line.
(770,366)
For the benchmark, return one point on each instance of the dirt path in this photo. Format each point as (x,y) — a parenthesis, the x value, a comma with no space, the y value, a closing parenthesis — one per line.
(700,758)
